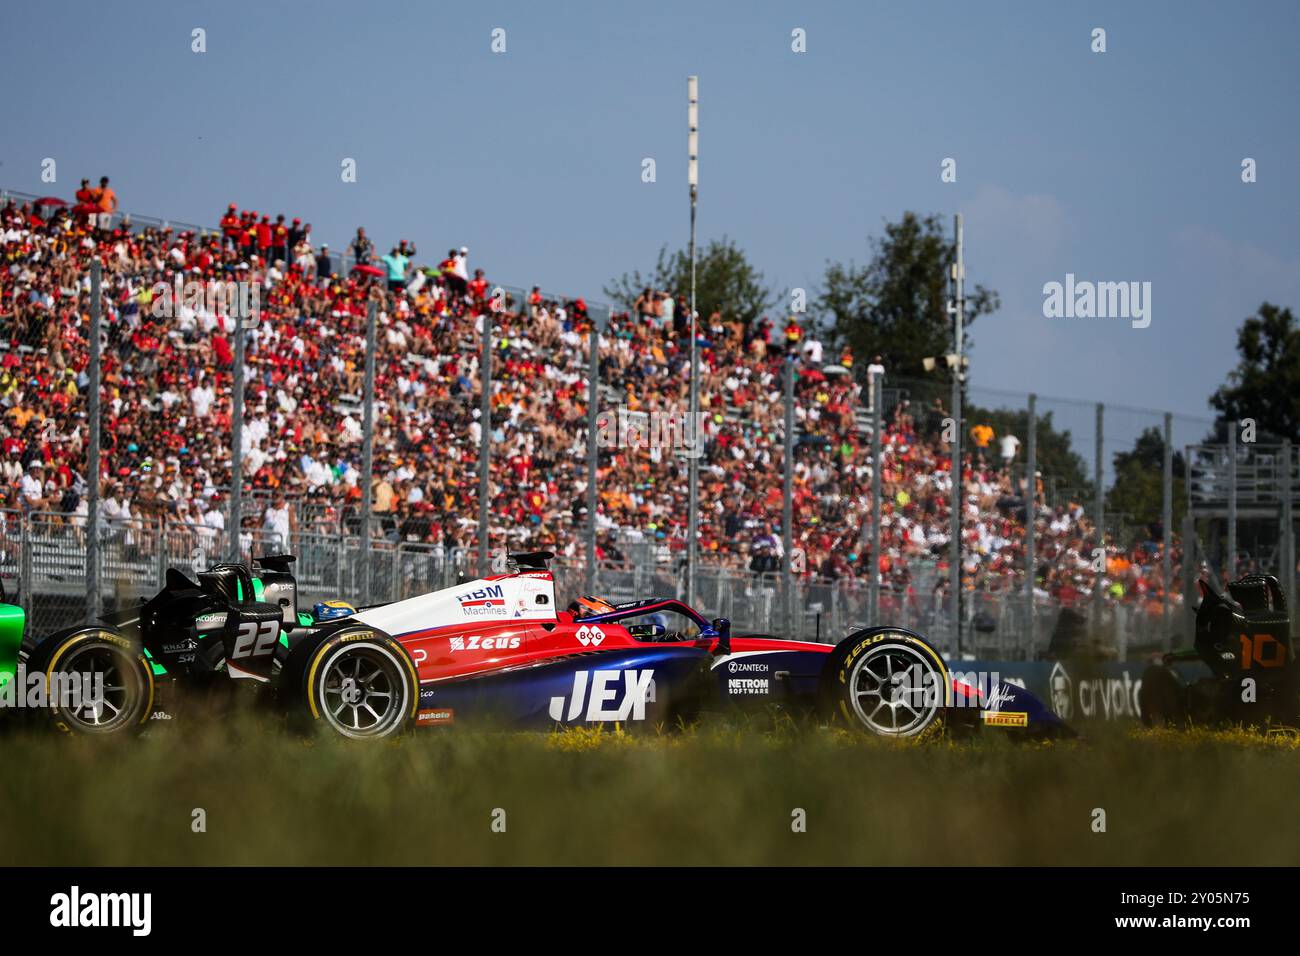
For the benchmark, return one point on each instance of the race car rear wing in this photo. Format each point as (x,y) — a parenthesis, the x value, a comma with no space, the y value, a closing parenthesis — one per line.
(529,560)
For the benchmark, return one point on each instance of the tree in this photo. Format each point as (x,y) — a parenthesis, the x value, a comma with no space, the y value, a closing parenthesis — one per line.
(1265,385)
(1138,489)
(896,306)
(725,282)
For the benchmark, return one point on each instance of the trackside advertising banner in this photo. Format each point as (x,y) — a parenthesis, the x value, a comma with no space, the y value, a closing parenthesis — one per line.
(1076,690)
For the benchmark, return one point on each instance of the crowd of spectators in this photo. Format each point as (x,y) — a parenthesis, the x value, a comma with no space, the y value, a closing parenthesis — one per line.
(166,406)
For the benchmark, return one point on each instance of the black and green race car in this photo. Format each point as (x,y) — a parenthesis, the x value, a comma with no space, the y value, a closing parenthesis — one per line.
(13,620)
(195,637)
(1244,637)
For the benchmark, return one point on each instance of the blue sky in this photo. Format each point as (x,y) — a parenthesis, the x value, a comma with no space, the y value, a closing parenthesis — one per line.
(1116,166)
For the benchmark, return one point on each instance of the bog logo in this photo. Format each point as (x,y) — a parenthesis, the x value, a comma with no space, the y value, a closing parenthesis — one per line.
(590,636)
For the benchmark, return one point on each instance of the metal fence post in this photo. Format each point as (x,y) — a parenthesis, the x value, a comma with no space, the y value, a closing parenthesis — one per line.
(1031,514)
(485,442)
(873,597)
(957,309)
(338,560)
(1189,576)
(1230,563)
(368,450)
(93,447)
(1167,531)
(161,564)
(787,501)
(1121,631)
(1287,558)
(1099,517)
(26,587)
(593,397)
(236,441)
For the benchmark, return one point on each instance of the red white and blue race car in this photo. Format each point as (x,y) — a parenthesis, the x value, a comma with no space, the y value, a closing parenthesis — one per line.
(499,648)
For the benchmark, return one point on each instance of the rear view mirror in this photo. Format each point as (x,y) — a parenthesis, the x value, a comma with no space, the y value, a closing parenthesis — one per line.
(723,627)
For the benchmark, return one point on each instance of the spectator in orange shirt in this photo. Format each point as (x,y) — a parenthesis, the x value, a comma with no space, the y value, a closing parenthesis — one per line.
(106,199)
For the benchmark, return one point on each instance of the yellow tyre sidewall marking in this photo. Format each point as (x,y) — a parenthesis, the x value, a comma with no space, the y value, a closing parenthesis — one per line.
(107,637)
(897,637)
(374,636)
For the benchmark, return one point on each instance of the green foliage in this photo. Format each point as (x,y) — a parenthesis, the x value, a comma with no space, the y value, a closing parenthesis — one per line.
(725,282)
(276,800)
(1139,477)
(896,306)
(1265,385)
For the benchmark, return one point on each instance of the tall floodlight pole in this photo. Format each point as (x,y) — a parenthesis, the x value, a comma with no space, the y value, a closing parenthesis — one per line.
(787,504)
(368,450)
(873,594)
(958,310)
(693,180)
(485,441)
(593,397)
(92,453)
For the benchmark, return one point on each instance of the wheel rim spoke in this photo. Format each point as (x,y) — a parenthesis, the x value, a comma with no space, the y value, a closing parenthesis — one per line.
(365,686)
(886,679)
(101,706)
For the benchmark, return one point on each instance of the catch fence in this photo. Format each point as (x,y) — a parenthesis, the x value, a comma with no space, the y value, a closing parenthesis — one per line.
(43,568)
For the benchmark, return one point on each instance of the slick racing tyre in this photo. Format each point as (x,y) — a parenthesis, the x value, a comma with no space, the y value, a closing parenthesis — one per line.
(1162,698)
(887,682)
(355,681)
(97,682)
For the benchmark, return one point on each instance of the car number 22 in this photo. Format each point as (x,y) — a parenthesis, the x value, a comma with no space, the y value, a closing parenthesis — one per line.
(256,639)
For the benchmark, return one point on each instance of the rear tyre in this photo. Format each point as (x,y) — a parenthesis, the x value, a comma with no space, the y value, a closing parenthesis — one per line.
(116,687)
(357,682)
(1162,698)
(887,682)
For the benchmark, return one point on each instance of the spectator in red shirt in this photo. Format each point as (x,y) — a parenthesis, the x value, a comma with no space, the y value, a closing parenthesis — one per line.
(280,241)
(230,227)
(264,237)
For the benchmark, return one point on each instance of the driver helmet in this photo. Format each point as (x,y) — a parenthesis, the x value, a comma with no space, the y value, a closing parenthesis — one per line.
(332,610)
(586,605)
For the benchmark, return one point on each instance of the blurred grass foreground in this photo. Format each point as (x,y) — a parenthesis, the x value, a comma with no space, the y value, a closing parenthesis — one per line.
(755,790)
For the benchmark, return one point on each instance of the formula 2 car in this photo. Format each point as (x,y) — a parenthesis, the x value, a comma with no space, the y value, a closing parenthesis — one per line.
(1244,638)
(233,623)
(498,650)
(499,647)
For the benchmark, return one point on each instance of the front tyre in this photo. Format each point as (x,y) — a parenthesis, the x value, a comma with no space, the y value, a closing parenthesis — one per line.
(888,682)
(357,681)
(1162,698)
(97,682)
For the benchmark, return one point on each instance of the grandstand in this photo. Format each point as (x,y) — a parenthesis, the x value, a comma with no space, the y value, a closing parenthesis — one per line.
(166,458)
